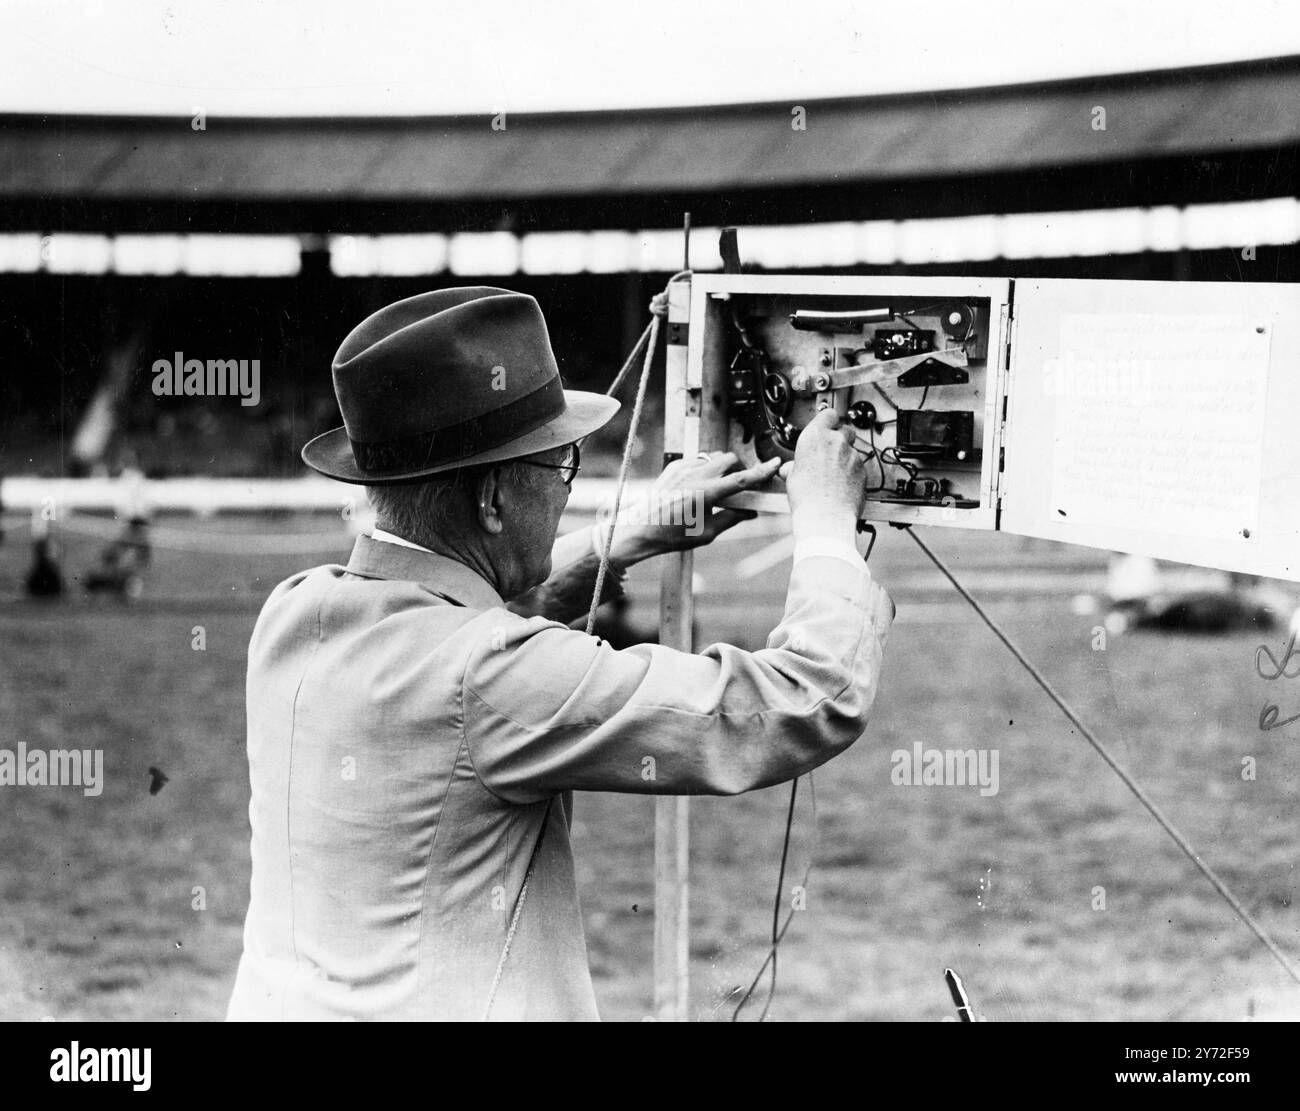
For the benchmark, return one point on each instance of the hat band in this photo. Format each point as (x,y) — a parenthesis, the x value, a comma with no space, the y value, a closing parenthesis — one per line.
(383,458)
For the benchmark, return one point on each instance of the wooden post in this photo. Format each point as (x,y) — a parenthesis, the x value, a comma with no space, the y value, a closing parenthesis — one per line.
(676,618)
(672,824)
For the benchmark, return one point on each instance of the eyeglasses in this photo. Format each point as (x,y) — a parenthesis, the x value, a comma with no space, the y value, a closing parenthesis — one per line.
(568,469)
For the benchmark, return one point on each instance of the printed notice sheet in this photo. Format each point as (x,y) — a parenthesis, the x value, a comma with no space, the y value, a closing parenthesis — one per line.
(1159,422)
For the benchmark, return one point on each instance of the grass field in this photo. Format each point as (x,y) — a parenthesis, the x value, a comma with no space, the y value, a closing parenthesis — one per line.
(98,895)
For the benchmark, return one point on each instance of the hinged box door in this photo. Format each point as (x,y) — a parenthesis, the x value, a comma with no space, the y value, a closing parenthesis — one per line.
(1158,418)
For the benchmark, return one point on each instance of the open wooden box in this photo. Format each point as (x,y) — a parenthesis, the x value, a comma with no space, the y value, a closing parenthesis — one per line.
(1158,418)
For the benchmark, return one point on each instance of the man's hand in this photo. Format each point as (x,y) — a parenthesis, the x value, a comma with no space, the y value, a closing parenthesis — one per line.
(678,511)
(828,479)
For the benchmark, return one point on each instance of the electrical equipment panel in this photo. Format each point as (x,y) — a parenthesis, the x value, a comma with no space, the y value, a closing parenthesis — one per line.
(1147,417)
(913,365)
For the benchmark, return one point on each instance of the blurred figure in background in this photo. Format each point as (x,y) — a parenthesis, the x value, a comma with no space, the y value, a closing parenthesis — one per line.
(120,571)
(1139,599)
(44,580)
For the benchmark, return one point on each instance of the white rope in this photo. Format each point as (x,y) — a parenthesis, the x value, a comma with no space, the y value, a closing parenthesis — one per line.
(628,448)
(658,310)
(514,920)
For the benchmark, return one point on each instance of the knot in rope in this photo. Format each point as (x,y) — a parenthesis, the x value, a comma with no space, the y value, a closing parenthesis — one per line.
(659,302)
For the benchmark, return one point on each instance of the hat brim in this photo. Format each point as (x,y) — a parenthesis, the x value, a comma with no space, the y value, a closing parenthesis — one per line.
(331,453)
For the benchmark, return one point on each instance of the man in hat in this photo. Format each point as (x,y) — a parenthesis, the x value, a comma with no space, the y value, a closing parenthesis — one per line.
(418,719)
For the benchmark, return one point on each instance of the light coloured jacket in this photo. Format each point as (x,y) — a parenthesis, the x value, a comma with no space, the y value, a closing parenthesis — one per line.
(406,731)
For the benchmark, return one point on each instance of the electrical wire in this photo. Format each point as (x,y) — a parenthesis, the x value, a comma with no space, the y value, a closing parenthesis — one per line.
(779,935)
(873,453)
(896,461)
(892,403)
(776,901)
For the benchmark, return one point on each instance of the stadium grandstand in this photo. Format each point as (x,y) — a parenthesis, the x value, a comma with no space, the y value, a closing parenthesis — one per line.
(266,238)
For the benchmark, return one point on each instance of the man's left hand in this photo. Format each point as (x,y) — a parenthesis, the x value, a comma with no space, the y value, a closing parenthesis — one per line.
(679,510)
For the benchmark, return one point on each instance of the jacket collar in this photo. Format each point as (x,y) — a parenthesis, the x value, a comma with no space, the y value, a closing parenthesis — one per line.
(445,577)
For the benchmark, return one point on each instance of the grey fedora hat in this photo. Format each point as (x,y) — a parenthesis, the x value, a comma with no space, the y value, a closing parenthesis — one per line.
(445,380)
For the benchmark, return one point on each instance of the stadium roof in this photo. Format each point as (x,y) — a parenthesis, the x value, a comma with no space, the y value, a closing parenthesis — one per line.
(1234,107)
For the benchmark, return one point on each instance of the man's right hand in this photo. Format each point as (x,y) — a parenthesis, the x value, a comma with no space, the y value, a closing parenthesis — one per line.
(827,481)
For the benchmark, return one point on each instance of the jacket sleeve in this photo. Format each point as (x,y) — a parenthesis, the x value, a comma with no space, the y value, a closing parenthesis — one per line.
(547,709)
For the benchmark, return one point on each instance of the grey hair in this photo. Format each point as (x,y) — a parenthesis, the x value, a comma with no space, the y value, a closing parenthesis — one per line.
(442,504)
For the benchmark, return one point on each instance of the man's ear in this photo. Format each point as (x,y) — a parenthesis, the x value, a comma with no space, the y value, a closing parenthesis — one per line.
(488,502)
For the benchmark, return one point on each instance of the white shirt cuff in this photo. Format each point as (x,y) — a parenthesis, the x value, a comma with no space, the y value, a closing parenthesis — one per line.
(836,547)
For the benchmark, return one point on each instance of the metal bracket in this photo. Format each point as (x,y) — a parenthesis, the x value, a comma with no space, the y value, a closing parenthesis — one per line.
(842,378)
(933,373)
